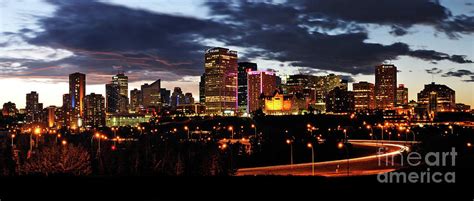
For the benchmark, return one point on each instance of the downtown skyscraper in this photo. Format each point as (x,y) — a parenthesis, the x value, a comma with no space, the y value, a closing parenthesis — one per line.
(244,68)
(364,96)
(385,86)
(260,83)
(94,110)
(220,66)
(33,108)
(77,93)
(116,94)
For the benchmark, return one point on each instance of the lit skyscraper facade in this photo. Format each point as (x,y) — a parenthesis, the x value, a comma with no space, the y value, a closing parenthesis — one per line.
(364,96)
(165,96)
(202,89)
(177,97)
(94,107)
(51,116)
(9,109)
(66,110)
(122,81)
(151,96)
(402,95)
(385,86)
(339,101)
(221,81)
(243,68)
(112,95)
(77,92)
(437,98)
(33,108)
(259,83)
(135,100)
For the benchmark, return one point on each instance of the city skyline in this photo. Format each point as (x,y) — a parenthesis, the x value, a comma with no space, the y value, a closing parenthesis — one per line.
(32,58)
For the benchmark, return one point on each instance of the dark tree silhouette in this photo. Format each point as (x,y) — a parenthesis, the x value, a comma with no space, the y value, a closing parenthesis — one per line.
(58,160)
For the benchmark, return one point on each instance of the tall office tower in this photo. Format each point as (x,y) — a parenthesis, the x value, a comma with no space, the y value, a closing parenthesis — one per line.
(202,89)
(385,86)
(437,98)
(221,81)
(151,97)
(402,95)
(9,109)
(301,84)
(122,81)
(243,68)
(112,96)
(66,110)
(94,107)
(135,100)
(364,96)
(340,101)
(188,98)
(165,96)
(259,83)
(33,108)
(177,97)
(51,118)
(77,91)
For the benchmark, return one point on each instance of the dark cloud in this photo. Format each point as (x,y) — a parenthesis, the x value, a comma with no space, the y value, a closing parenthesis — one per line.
(461,73)
(461,24)
(106,35)
(319,34)
(398,31)
(434,71)
(398,14)
(284,36)
(431,55)
(458,73)
(348,78)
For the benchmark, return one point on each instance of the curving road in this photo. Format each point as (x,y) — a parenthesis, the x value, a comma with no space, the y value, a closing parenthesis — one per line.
(366,165)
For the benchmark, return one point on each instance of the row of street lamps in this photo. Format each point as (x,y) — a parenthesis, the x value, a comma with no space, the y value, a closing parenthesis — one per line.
(340,145)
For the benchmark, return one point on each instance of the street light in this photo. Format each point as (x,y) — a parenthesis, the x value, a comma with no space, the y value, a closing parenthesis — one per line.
(291,151)
(341,145)
(345,134)
(371,131)
(451,127)
(13,136)
(232,130)
(309,145)
(115,134)
(64,142)
(37,132)
(98,136)
(187,129)
(255,130)
(381,128)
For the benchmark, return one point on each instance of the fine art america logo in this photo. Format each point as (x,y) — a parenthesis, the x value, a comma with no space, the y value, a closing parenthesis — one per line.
(415,159)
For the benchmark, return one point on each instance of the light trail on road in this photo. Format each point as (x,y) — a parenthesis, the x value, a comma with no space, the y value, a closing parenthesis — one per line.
(365,165)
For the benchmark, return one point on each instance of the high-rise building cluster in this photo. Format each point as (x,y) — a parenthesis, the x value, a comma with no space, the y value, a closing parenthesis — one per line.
(232,88)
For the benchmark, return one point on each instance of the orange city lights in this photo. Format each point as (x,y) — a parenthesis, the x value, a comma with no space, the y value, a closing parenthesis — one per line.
(340,145)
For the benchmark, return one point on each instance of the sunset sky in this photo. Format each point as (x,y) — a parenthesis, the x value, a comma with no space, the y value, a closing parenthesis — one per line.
(41,42)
